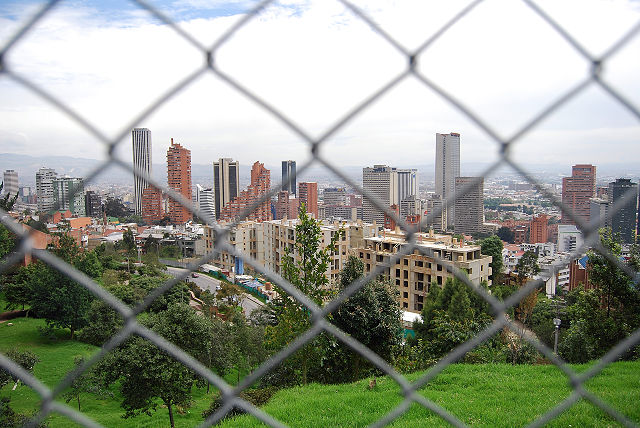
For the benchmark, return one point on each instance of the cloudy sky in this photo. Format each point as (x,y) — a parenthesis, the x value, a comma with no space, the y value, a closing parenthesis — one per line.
(315,61)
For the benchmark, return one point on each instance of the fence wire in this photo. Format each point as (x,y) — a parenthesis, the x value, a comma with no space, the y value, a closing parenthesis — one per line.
(409,390)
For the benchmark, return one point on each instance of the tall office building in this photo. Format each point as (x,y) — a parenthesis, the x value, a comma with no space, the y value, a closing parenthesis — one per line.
(407,183)
(577,190)
(289,170)
(381,181)
(308,195)
(599,208)
(141,142)
(44,189)
(447,169)
(92,204)
(334,196)
(260,184)
(623,220)
(179,179)
(205,201)
(10,186)
(68,194)
(469,205)
(226,179)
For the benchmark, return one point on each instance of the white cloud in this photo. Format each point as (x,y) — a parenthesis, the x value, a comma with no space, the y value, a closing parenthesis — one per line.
(315,61)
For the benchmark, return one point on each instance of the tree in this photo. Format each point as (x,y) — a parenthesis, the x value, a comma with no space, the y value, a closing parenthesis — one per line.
(304,266)
(506,234)
(7,202)
(87,383)
(146,373)
(492,246)
(115,208)
(25,359)
(371,315)
(128,243)
(527,266)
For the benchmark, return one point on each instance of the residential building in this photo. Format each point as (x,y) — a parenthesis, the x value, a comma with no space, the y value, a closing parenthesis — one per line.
(68,194)
(10,183)
(205,199)
(142,161)
(447,169)
(44,189)
(226,182)
(289,170)
(389,221)
(599,208)
(152,209)
(435,213)
(382,182)
(286,206)
(469,205)
(179,180)
(415,273)
(538,229)
(308,195)
(577,190)
(410,206)
(92,204)
(623,219)
(569,238)
(260,184)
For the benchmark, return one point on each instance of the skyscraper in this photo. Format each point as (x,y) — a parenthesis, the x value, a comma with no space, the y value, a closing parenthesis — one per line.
(407,183)
(141,142)
(206,201)
(289,170)
(382,181)
(447,169)
(226,179)
(260,184)
(308,194)
(577,190)
(44,189)
(92,204)
(179,179)
(623,220)
(152,205)
(68,194)
(10,186)
(469,205)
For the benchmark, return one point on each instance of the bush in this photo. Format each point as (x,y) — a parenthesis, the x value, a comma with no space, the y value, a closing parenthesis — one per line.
(257,396)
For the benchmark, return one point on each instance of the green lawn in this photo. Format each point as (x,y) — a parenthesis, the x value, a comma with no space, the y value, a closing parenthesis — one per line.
(480,395)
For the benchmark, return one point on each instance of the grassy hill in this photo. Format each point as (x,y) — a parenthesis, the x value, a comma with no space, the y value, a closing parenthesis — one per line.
(480,395)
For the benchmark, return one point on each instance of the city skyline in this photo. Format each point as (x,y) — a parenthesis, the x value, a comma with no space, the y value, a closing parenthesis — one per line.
(406,117)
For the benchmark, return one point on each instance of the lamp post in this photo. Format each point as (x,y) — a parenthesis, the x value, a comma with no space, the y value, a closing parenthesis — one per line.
(556,322)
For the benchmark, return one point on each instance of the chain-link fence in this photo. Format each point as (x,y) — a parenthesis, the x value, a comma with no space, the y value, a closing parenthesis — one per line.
(409,390)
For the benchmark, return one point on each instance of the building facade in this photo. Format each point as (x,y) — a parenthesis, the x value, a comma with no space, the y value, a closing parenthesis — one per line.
(407,183)
(226,182)
(260,184)
(382,182)
(206,201)
(308,195)
(469,205)
(10,183)
(44,189)
(179,180)
(289,170)
(92,204)
(152,210)
(538,229)
(68,194)
(447,169)
(142,161)
(623,219)
(577,190)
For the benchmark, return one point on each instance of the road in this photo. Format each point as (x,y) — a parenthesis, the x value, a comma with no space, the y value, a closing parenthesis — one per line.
(205,282)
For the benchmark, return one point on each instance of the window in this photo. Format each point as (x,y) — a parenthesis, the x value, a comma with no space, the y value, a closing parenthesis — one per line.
(406,283)
(405,295)
(405,262)
(439,280)
(405,305)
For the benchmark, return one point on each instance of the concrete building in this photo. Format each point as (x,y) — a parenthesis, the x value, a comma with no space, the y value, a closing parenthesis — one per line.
(205,200)
(435,214)
(411,206)
(469,205)
(569,238)
(538,229)
(152,207)
(289,170)
(68,194)
(308,195)
(407,183)
(44,189)
(416,272)
(260,184)
(447,169)
(142,161)
(179,180)
(599,208)
(623,220)
(334,196)
(10,183)
(381,181)
(226,182)
(577,190)
(92,204)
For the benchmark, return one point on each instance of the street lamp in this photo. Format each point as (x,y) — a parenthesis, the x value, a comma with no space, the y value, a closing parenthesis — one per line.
(556,322)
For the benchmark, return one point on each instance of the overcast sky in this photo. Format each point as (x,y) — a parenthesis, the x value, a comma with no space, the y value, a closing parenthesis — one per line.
(315,61)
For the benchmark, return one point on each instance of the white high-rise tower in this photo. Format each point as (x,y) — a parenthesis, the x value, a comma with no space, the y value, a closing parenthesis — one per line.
(141,139)
(447,169)
(382,181)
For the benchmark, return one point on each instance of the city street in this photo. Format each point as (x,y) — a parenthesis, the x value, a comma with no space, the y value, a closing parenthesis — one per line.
(249,303)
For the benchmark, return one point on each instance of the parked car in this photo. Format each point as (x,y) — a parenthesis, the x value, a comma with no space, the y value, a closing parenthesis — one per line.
(194,275)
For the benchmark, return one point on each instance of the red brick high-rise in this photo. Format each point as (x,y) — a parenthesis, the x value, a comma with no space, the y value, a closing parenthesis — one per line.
(151,205)
(538,229)
(260,184)
(179,180)
(308,194)
(577,190)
